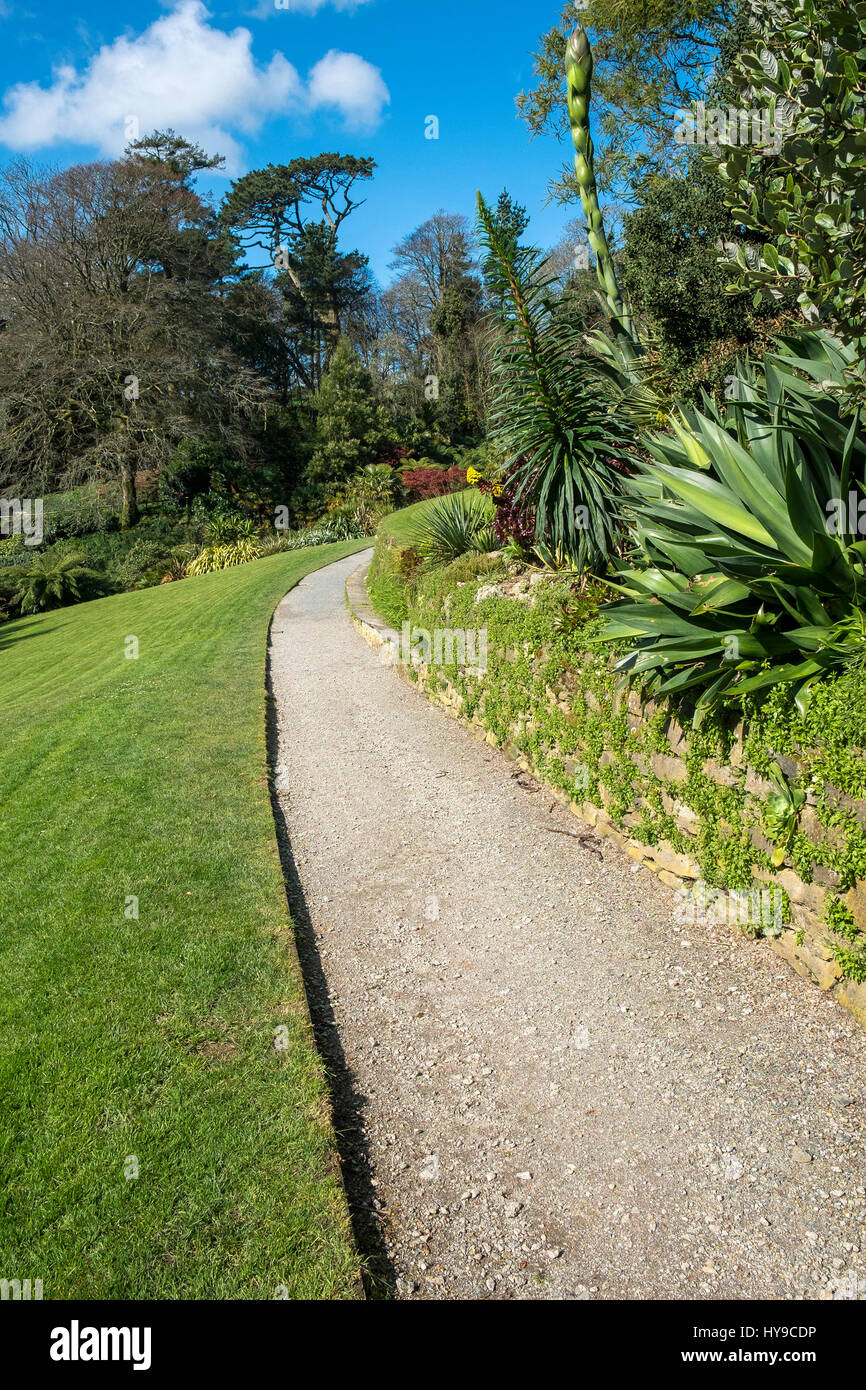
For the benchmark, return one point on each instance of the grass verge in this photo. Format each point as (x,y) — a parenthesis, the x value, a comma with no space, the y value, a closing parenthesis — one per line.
(152,1044)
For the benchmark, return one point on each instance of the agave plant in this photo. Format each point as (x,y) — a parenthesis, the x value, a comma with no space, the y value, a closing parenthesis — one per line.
(53,580)
(749,523)
(546,410)
(453,525)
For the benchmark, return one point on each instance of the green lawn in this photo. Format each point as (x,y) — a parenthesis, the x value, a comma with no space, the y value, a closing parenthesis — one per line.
(386,587)
(151,1041)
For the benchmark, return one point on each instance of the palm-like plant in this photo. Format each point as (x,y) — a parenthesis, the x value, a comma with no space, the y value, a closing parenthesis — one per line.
(53,580)
(453,525)
(546,412)
(748,524)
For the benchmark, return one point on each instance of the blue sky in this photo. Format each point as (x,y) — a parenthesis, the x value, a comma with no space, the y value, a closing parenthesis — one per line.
(265,85)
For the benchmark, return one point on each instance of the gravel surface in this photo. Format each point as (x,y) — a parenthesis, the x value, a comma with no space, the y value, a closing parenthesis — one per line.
(544,1085)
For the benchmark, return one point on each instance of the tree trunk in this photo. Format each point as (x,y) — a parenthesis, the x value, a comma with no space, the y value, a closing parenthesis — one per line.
(129,512)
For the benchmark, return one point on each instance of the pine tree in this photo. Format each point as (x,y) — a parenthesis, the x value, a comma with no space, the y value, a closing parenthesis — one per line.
(347,426)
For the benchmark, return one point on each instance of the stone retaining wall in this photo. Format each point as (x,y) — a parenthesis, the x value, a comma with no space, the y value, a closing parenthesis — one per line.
(803,938)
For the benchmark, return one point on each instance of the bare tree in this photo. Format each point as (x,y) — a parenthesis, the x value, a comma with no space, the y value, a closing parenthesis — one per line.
(113,335)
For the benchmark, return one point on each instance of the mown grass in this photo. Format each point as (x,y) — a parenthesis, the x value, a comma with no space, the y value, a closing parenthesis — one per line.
(385,585)
(148,1044)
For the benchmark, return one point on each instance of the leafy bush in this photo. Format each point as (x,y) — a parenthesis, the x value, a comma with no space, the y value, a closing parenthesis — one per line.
(421,483)
(223,557)
(364,499)
(806,64)
(227,527)
(81,512)
(141,558)
(749,526)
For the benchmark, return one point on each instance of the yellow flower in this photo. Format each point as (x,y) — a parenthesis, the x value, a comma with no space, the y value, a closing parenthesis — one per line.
(472,475)
(497,489)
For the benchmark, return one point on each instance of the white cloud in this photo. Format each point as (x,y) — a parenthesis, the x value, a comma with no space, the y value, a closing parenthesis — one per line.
(184,73)
(350,85)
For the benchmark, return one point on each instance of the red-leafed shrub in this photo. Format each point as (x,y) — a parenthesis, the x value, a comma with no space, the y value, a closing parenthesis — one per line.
(432,482)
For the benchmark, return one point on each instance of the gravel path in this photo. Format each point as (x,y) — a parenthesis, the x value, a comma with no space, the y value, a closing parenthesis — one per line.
(544,1086)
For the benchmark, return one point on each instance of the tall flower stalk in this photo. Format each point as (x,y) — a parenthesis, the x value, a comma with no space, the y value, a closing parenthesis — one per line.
(578,74)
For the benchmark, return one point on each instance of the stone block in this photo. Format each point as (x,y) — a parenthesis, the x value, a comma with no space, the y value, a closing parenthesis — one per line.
(665,857)
(757,785)
(855,901)
(676,737)
(853,997)
(668,769)
(820,964)
(720,773)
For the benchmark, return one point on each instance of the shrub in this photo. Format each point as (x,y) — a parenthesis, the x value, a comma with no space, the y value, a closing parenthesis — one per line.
(452,525)
(422,483)
(548,415)
(223,557)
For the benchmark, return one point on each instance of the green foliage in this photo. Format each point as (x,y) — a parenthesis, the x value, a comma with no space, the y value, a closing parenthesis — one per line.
(654,58)
(227,527)
(751,574)
(224,556)
(670,271)
(348,426)
(452,525)
(55,579)
(546,414)
(806,66)
(363,501)
(779,817)
(839,919)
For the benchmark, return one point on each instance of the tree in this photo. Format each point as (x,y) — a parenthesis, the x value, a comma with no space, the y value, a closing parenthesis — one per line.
(670,272)
(439,297)
(321,289)
(269,210)
(114,328)
(510,219)
(438,255)
(347,426)
(265,208)
(170,151)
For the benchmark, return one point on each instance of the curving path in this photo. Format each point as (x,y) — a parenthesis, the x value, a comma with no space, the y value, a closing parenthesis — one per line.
(544,1086)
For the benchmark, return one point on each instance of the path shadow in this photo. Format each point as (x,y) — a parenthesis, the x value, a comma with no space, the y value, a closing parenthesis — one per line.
(347,1102)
